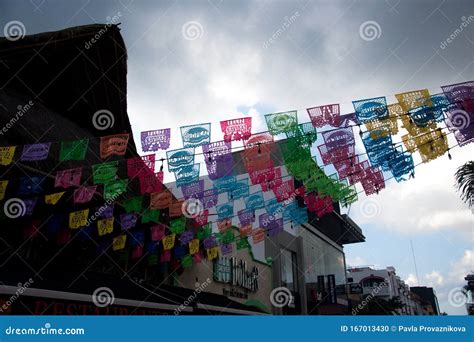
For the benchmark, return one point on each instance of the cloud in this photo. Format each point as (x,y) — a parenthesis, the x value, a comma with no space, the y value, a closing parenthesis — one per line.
(447,282)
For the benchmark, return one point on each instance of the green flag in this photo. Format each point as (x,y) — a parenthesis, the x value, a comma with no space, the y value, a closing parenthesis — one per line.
(186,261)
(133,204)
(105,172)
(177,226)
(150,216)
(113,189)
(73,150)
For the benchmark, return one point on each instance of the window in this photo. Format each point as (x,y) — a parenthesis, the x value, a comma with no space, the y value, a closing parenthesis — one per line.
(289,270)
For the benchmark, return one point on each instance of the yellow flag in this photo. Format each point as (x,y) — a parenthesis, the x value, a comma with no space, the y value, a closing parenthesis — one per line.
(3,188)
(118,243)
(6,154)
(105,226)
(53,198)
(414,99)
(168,241)
(212,253)
(194,246)
(78,219)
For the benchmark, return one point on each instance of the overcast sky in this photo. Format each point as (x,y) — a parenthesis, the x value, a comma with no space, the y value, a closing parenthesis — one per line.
(192,62)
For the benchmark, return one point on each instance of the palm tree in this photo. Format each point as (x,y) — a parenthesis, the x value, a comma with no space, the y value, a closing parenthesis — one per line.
(465,182)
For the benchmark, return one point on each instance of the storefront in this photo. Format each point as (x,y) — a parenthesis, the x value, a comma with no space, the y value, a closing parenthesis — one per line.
(237,276)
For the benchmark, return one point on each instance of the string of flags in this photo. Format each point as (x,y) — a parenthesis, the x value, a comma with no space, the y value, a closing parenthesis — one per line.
(124,204)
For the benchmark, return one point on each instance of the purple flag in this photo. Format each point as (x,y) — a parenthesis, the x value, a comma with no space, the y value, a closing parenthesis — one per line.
(155,140)
(35,152)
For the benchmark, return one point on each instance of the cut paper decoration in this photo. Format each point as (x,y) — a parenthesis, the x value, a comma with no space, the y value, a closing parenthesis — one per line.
(165,256)
(193,190)
(254,201)
(176,209)
(324,115)
(73,150)
(186,261)
(30,204)
(186,236)
(459,92)
(461,121)
(68,178)
(128,221)
(224,184)
(6,155)
(225,211)
(226,248)
(218,158)
(180,158)
(168,241)
(370,109)
(157,232)
(242,243)
(187,174)
(284,191)
(106,210)
(138,165)
(161,200)
(212,253)
(338,138)
(114,189)
(105,226)
(204,232)
(224,224)
(105,172)
(414,99)
(150,216)
(236,129)
(258,235)
(202,219)
(194,246)
(246,216)
(113,145)
(3,188)
(210,242)
(258,139)
(196,135)
(155,140)
(179,251)
(177,226)
(118,243)
(281,122)
(35,152)
(245,230)
(150,182)
(383,127)
(133,204)
(30,185)
(78,219)
(84,194)
(209,198)
(305,134)
(239,189)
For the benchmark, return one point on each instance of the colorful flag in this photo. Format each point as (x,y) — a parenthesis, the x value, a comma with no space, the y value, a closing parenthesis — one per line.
(113,145)
(105,172)
(105,226)
(73,150)
(68,178)
(237,129)
(196,135)
(78,219)
(6,155)
(113,190)
(35,152)
(53,198)
(155,140)
(281,122)
(84,194)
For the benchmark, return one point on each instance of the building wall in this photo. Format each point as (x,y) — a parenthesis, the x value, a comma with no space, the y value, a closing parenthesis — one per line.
(201,272)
